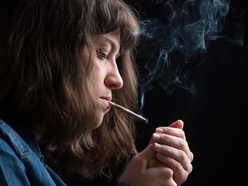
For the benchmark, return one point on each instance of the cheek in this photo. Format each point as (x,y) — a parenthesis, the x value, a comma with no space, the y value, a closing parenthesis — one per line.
(97,76)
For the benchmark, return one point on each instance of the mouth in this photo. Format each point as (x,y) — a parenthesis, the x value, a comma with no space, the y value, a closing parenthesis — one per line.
(105,101)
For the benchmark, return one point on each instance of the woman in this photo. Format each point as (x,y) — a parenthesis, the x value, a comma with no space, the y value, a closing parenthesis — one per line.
(61,62)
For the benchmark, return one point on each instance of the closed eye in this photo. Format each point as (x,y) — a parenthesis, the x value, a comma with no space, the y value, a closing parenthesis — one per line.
(101,54)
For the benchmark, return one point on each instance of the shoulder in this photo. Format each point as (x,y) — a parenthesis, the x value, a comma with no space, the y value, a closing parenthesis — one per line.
(13,149)
(6,147)
(7,150)
(12,142)
(10,139)
(10,162)
(19,164)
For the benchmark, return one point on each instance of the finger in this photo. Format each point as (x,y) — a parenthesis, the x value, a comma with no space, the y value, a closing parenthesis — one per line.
(142,159)
(171,131)
(151,141)
(177,124)
(165,172)
(176,154)
(173,141)
(145,156)
(179,174)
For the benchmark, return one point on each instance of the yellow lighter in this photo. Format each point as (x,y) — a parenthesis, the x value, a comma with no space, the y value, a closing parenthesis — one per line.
(153,163)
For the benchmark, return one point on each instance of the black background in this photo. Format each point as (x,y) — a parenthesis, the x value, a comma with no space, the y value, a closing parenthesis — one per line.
(215,117)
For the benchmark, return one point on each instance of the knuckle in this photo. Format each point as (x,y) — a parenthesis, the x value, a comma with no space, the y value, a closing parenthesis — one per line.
(192,156)
(184,177)
(182,144)
(181,177)
(167,172)
(183,156)
(137,161)
(178,168)
(191,168)
(170,173)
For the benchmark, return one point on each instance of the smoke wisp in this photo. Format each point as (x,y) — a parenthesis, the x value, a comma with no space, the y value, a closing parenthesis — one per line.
(169,47)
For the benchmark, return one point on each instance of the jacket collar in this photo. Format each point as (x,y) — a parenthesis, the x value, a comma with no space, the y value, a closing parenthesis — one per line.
(27,135)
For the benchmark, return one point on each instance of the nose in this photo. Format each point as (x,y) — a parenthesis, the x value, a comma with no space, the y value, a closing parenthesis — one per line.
(113,79)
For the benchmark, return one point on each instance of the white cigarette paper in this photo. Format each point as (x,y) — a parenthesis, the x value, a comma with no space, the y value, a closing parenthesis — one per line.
(129,112)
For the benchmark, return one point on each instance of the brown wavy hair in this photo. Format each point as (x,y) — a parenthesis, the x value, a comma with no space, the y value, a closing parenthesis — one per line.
(44,77)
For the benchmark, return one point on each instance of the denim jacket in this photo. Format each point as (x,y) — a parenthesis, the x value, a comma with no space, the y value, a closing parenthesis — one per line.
(21,161)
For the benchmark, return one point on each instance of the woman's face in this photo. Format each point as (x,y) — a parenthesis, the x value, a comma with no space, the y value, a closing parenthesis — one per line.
(105,76)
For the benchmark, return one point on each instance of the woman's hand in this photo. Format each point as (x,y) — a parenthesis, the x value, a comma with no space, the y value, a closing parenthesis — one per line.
(169,146)
(138,173)
(173,150)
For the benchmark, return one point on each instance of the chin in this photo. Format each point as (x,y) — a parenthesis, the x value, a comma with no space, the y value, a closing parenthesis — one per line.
(98,122)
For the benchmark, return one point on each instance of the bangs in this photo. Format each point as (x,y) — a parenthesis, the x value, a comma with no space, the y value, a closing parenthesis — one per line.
(112,16)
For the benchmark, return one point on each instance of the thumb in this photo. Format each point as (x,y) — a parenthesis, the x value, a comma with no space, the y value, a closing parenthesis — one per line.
(177,124)
(147,154)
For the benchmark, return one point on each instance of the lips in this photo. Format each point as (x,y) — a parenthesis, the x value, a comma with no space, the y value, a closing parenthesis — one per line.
(106,100)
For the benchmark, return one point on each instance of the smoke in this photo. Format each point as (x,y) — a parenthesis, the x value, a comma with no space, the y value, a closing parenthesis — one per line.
(169,47)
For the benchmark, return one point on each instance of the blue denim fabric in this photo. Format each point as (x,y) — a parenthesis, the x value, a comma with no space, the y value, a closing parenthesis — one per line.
(21,161)
(123,184)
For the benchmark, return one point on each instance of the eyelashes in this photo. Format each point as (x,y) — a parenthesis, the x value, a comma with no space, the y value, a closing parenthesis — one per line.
(101,54)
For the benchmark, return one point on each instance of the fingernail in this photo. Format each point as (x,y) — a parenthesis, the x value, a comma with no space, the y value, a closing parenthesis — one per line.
(156,136)
(157,146)
(160,130)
